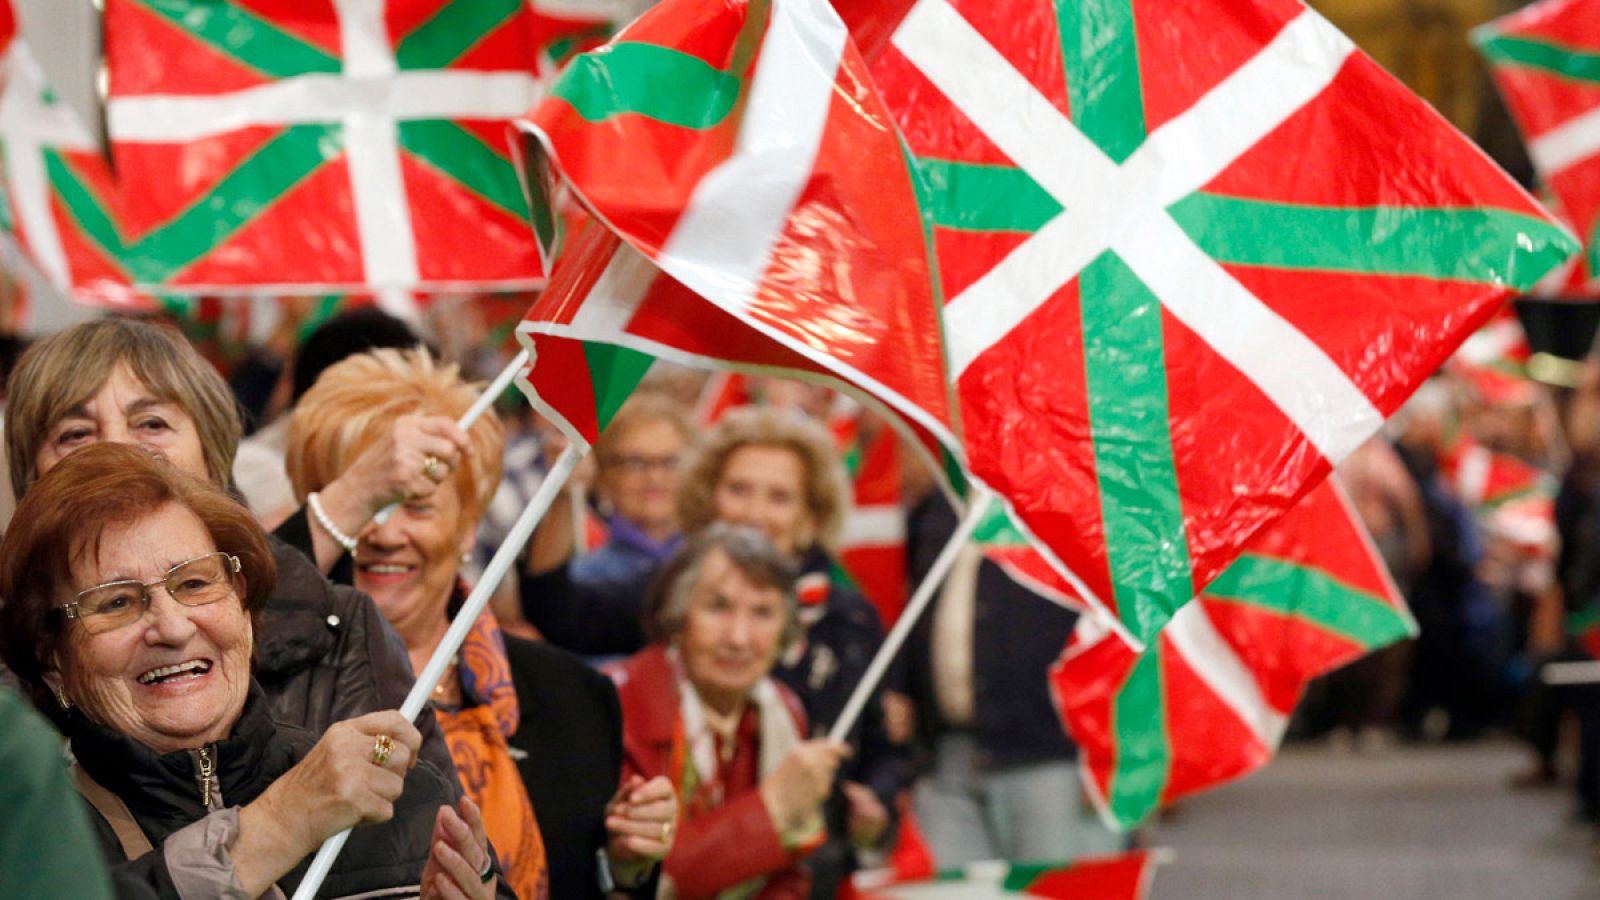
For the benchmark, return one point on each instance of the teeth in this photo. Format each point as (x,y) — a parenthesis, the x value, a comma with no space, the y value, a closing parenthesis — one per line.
(383,569)
(197,666)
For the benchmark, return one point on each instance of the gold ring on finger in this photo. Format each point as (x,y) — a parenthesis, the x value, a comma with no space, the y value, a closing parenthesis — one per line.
(431,467)
(381,748)
(666,832)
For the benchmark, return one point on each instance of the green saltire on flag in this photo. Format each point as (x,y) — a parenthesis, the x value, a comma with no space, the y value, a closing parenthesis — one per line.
(1207,701)
(1111,344)
(407,195)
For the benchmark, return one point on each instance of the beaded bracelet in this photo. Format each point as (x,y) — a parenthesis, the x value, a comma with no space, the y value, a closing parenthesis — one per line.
(342,539)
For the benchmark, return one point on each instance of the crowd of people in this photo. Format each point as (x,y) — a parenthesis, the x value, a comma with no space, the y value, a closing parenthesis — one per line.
(221,627)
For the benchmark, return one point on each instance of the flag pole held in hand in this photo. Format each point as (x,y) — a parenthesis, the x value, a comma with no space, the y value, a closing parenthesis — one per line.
(474,412)
(921,598)
(504,558)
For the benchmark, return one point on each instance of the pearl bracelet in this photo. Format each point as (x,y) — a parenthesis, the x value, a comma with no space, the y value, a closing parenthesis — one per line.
(339,537)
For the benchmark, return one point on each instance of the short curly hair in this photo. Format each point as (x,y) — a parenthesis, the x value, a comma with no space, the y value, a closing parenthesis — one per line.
(667,601)
(827,496)
(357,400)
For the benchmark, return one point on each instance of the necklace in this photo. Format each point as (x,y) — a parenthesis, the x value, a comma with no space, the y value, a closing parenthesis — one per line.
(447,688)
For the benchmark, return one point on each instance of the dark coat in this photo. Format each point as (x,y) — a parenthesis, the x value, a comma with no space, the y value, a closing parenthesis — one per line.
(594,618)
(325,654)
(1016,636)
(841,638)
(568,747)
(162,793)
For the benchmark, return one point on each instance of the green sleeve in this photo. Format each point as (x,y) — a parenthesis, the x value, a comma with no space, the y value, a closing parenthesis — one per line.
(46,846)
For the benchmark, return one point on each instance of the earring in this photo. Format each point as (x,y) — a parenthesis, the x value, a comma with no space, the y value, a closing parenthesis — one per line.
(61,698)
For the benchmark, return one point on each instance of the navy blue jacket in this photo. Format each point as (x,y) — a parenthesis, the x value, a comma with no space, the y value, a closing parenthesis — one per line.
(1017,635)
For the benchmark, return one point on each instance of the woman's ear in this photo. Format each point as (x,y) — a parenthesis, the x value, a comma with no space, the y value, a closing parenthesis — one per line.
(57,686)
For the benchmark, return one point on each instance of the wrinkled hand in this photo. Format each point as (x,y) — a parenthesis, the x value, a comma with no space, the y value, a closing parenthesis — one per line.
(641,825)
(794,791)
(459,853)
(642,820)
(868,817)
(337,785)
(393,468)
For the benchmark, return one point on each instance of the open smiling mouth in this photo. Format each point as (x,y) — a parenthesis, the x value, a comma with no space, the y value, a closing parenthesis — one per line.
(193,668)
(385,569)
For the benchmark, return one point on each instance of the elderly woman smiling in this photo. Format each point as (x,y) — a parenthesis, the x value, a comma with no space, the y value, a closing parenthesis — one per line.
(701,708)
(130,590)
(556,799)
(323,652)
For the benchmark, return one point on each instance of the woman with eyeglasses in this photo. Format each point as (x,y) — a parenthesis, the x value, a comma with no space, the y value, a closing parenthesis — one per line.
(593,605)
(323,652)
(131,593)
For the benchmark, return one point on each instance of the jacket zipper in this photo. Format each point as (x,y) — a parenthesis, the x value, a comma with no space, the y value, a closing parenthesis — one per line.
(204,771)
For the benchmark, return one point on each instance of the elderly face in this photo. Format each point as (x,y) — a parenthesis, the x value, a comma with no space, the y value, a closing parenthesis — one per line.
(639,474)
(731,631)
(125,411)
(176,677)
(764,487)
(409,563)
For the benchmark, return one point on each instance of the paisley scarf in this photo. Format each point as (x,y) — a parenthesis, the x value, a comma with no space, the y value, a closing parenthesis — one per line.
(477,732)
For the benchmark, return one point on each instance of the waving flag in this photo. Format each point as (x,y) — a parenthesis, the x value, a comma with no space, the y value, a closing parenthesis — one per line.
(1513,499)
(1208,700)
(311,148)
(42,137)
(1545,60)
(1494,361)
(740,152)
(1125,876)
(1170,236)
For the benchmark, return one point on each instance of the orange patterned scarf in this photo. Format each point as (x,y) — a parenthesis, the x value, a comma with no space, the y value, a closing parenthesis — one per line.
(477,734)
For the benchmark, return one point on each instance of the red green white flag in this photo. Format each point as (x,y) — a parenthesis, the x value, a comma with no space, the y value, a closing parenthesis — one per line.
(1513,499)
(1208,700)
(1545,61)
(1124,876)
(740,151)
(296,147)
(1170,235)
(768,218)
(39,133)
(1494,360)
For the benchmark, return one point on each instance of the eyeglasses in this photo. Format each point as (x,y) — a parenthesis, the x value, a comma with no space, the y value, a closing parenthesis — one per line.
(638,463)
(195,582)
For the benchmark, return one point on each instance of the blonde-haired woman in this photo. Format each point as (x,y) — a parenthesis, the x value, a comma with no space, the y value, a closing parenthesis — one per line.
(502,694)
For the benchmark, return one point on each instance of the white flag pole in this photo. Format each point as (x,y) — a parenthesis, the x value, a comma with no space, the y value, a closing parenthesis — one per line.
(920,600)
(431,674)
(474,412)
(1584,672)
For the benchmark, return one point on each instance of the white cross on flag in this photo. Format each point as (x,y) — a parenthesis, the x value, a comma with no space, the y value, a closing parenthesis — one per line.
(1192,254)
